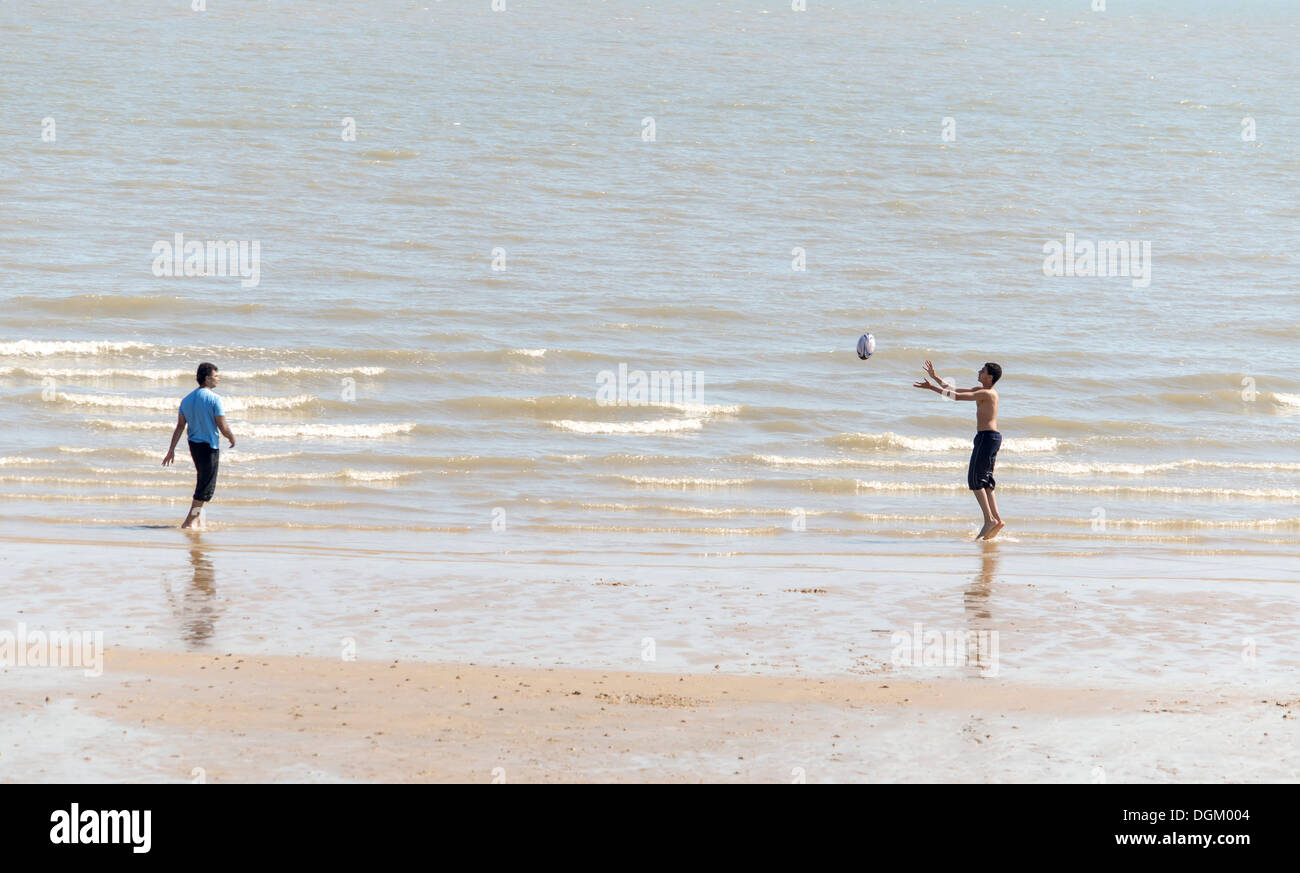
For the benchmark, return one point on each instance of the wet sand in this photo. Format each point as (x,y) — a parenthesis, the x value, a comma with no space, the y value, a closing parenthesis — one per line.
(232,654)
(158,716)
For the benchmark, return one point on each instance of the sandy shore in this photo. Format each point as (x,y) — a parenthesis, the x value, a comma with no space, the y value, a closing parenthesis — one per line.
(223,662)
(157,716)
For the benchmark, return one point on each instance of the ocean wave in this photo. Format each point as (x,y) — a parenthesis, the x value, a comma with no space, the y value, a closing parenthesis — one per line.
(1083,522)
(98,481)
(676,311)
(231,404)
(641,529)
(786,461)
(1218,399)
(1063,468)
(348,357)
(889,440)
(186,374)
(278,431)
(99,304)
(46,348)
(662,425)
(569,405)
(387,154)
(684,481)
(97,373)
(1287,400)
(348,475)
(849,485)
(228,456)
(18,461)
(676,509)
(173,375)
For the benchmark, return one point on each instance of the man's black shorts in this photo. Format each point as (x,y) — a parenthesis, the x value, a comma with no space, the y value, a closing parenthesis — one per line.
(982,459)
(205,463)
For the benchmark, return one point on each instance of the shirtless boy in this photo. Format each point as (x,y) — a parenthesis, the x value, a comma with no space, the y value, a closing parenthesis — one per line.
(987,439)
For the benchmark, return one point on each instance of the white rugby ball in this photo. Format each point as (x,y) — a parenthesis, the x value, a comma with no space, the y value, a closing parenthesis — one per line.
(866,346)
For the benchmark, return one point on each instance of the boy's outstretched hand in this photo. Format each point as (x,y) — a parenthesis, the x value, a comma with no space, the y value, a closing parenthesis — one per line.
(921,384)
(929,371)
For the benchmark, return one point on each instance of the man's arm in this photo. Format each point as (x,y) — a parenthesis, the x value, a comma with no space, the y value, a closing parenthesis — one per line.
(176,435)
(954,393)
(225,431)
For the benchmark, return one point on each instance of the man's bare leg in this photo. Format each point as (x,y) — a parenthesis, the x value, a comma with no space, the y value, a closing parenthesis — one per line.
(997,519)
(195,515)
(982,496)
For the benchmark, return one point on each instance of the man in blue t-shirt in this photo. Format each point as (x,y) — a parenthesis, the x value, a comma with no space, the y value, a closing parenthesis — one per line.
(202,412)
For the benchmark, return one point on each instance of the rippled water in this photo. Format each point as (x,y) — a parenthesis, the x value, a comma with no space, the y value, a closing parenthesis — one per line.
(383,375)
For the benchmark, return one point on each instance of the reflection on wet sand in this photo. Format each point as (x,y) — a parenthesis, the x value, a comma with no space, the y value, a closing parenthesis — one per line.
(196,609)
(979,614)
(981,587)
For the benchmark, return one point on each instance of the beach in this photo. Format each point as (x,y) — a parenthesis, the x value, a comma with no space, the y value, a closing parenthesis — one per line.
(224,718)
(539,349)
(319,663)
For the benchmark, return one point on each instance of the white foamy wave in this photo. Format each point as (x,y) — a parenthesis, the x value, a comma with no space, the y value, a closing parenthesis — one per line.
(1241,524)
(100,480)
(323,431)
(529,353)
(1092,469)
(278,431)
(890,440)
(238,404)
(298,371)
(684,481)
(161,375)
(16,461)
(1060,468)
(663,425)
(228,456)
(703,408)
(785,461)
(40,348)
(98,373)
(346,474)
(231,404)
(1291,400)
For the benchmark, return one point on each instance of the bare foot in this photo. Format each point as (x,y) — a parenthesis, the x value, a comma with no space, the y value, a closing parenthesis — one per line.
(993,531)
(195,516)
(984,530)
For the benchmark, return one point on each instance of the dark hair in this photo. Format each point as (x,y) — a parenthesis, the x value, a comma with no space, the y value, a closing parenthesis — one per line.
(995,371)
(205,370)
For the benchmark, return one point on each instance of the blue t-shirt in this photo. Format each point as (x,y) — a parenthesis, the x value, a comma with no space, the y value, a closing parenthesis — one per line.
(201,408)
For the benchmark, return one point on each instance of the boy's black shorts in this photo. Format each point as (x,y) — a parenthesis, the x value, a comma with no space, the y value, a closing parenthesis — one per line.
(982,459)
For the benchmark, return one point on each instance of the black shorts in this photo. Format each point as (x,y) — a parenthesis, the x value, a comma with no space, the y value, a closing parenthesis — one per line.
(205,464)
(982,459)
